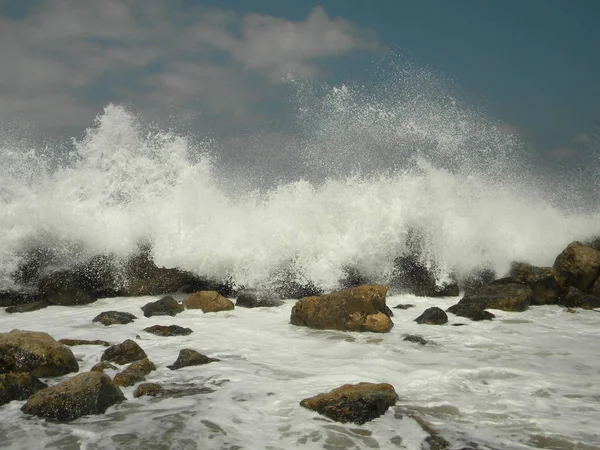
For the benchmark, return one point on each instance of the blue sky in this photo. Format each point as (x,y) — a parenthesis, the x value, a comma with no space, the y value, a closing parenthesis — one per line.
(534,65)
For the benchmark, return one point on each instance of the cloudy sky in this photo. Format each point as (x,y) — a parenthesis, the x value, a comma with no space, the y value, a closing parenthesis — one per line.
(533,65)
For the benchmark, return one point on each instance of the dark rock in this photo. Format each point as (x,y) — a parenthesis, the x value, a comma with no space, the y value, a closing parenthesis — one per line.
(189,357)
(289,283)
(361,308)
(470,312)
(506,296)
(100,275)
(33,263)
(102,366)
(18,386)
(61,288)
(73,342)
(85,394)
(166,306)
(353,278)
(157,390)
(577,299)
(407,306)
(17,298)
(547,286)
(252,300)
(595,289)
(114,318)
(134,373)
(416,339)
(71,298)
(208,301)
(434,440)
(171,330)
(27,307)
(579,265)
(477,279)
(413,276)
(34,352)
(433,316)
(124,353)
(358,403)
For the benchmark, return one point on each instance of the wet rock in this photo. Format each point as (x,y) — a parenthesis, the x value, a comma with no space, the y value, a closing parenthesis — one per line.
(61,288)
(477,278)
(361,308)
(100,275)
(413,276)
(17,298)
(406,306)
(74,342)
(85,394)
(188,357)
(148,389)
(166,306)
(102,366)
(124,353)
(434,439)
(35,352)
(253,300)
(34,262)
(353,277)
(577,299)
(208,301)
(507,296)
(579,265)
(357,403)
(27,307)
(171,330)
(134,373)
(18,386)
(547,286)
(114,318)
(288,282)
(433,316)
(595,289)
(157,390)
(470,312)
(416,339)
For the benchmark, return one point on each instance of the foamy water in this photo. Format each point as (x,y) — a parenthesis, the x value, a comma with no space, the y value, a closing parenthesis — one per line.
(523,381)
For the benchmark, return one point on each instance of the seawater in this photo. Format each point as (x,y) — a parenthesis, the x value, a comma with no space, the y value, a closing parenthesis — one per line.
(523,381)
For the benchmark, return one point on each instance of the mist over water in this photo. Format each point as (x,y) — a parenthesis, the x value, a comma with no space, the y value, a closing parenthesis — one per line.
(357,170)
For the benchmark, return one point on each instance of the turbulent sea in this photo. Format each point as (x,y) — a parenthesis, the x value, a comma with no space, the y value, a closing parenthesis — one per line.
(344,185)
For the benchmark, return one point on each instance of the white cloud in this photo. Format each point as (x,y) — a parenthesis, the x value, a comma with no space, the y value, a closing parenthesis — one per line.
(80,54)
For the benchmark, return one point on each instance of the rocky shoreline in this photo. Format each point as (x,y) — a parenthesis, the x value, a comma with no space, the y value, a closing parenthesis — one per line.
(25,356)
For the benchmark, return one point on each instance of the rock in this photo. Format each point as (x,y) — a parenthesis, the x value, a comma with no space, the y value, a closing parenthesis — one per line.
(84,394)
(434,440)
(499,295)
(18,386)
(470,312)
(114,318)
(547,286)
(34,262)
(100,275)
(17,298)
(579,265)
(407,306)
(157,390)
(361,308)
(171,330)
(74,342)
(71,298)
(252,300)
(189,357)
(595,289)
(416,339)
(414,276)
(124,353)
(61,288)
(102,366)
(353,278)
(477,278)
(357,403)
(208,301)
(28,307)
(432,316)
(577,299)
(148,389)
(35,352)
(288,282)
(166,306)
(134,373)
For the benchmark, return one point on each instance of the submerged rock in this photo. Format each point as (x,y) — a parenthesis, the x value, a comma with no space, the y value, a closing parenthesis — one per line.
(208,301)
(579,265)
(171,330)
(28,307)
(74,342)
(35,352)
(357,403)
(433,316)
(499,295)
(361,308)
(114,318)
(188,357)
(124,353)
(406,306)
(166,306)
(134,373)
(84,394)
(252,300)
(18,386)
(158,390)
(416,339)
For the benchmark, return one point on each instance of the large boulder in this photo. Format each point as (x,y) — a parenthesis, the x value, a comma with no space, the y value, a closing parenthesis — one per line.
(415,277)
(35,352)
(208,301)
(126,352)
(498,295)
(62,288)
(577,299)
(547,286)
(18,386)
(579,265)
(84,394)
(361,308)
(357,403)
(166,306)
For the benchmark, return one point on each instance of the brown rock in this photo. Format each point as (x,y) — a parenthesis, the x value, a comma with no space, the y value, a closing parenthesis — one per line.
(579,265)
(577,299)
(134,372)
(84,394)
(498,295)
(35,352)
(18,386)
(74,342)
(149,389)
(547,286)
(188,357)
(354,309)
(114,318)
(171,330)
(124,353)
(102,366)
(166,306)
(358,403)
(208,301)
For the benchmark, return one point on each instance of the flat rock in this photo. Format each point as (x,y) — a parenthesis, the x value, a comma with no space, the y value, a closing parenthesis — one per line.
(170,330)
(208,301)
(361,308)
(433,316)
(84,394)
(166,306)
(357,403)
(416,339)
(35,352)
(18,386)
(114,318)
(158,390)
(74,342)
(188,357)
(124,353)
